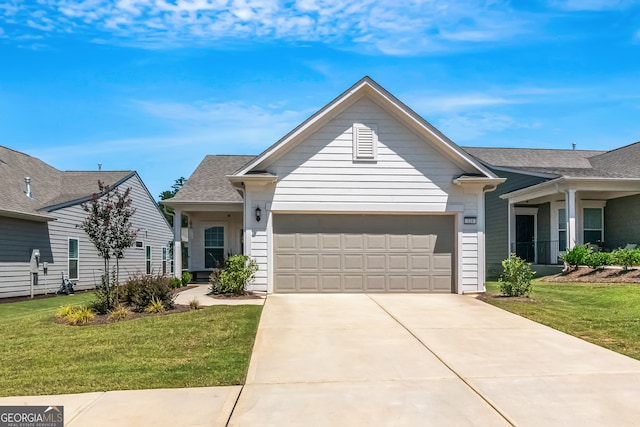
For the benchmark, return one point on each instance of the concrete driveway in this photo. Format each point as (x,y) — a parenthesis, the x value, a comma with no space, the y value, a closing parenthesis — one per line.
(366,360)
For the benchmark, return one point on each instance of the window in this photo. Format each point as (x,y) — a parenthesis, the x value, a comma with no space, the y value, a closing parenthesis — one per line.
(592,225)
(213,247)
(164,261)
(365,142)
(171,267)
(139,244)
(148,258)
(562,229)
(74,258)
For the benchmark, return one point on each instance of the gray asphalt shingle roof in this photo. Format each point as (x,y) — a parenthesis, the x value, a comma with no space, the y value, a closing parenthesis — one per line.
(209,181)
(49,186)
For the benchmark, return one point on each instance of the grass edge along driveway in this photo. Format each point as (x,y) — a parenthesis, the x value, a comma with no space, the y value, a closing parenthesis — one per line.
(199,348)
(604,314)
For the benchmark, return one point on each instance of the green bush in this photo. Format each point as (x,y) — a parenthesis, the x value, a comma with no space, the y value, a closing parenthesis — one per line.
(578,255)
(155,306)
(237,273)
(626,257)
(176,282)
(80,316)
(597,260)
(106,295)
(119,313)
(141,289)
(186,278)
(515,281)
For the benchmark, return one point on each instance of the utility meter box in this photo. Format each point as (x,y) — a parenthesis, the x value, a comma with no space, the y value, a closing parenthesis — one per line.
(35,260)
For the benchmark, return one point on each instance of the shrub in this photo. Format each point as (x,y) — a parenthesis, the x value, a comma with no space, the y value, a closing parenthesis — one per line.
(176,282)
(578,255)
(80,316)
(106,294)
(186,278)
(516,279)
(140,289)
(194,304)
(65,311)
(626,257)
(597,260)
(237,273)
(119,313)
(155,306)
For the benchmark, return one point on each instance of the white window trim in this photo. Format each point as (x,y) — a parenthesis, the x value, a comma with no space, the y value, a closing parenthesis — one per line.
(149,260)
(357,155)
(225,233)
(69,259)
(601,204)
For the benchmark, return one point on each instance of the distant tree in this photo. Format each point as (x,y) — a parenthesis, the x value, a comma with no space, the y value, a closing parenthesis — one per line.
(167,194)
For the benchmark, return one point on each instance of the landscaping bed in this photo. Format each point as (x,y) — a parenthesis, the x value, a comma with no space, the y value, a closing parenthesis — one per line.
(602,275)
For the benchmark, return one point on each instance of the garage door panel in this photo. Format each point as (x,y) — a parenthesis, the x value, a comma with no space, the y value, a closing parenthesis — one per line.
(331,262)
(330,282)
(398,283)
(353,262)
(374,283)
(353,242)
(353,282)
(376,262)
(308,282)
(398,262)
(363,253)
(286,262)
(308,262)
(308,242)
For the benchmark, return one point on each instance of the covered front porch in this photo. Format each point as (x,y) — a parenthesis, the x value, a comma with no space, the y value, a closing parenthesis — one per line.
(547,219)
(212,233)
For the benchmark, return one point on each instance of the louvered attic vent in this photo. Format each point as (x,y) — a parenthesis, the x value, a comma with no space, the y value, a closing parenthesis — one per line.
(365,141)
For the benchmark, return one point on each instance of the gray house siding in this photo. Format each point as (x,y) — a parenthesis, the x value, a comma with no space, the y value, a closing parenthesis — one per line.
(53,239)
(543,234)
(18,238)
(497,217)
(622,221)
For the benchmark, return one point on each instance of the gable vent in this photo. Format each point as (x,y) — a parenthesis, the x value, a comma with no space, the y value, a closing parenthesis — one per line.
(365,141)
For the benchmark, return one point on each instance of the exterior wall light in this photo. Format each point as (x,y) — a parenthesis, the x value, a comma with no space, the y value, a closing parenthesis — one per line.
(258,213)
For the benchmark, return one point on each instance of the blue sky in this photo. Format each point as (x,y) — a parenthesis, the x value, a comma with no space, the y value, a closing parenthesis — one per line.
(154,85)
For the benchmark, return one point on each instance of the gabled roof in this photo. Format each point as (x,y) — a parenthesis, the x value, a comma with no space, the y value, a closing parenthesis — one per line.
(50,187)
(367,87)
(621,163)
(209,181)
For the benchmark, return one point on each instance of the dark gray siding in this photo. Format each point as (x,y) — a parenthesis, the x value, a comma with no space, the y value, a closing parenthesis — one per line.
(622,221)
(497,212)
(543,234)
(18,238)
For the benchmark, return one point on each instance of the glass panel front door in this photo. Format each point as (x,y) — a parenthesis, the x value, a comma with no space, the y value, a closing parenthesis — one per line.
(525,236)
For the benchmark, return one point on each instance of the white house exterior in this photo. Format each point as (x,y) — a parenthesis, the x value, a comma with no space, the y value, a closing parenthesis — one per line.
(364,196)
(47,221)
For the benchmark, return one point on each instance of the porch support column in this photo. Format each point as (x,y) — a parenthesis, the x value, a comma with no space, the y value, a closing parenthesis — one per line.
(177,243)
(571,218)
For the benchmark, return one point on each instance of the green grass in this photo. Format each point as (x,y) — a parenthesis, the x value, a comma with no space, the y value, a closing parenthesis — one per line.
(604,314)
(208,347)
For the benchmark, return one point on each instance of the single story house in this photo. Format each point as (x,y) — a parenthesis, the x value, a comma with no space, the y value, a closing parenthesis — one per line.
(364,196)
(555,199)
(40,211)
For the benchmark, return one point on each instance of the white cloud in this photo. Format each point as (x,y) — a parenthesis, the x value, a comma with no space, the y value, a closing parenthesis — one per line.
(470,127)
(383,25)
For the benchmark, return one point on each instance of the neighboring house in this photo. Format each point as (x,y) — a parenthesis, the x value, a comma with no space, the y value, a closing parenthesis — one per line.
(555,199)
(364,196)
(40,209)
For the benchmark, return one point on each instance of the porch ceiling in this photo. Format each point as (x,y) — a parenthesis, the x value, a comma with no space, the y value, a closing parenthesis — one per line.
(196,206)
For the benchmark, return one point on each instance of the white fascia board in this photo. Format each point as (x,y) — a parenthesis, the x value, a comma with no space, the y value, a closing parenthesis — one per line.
(572,183)
(365,208)
(522,172)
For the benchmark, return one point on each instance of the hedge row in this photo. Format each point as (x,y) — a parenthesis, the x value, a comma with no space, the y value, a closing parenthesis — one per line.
(585,255)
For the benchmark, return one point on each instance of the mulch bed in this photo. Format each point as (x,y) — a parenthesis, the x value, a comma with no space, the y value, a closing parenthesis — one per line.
(247,295)
(604,275)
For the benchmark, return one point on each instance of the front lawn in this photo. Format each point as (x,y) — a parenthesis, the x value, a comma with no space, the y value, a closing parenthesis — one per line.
(604,314)
(200,348)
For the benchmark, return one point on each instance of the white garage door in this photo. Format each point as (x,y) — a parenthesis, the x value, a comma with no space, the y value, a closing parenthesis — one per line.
(363,253)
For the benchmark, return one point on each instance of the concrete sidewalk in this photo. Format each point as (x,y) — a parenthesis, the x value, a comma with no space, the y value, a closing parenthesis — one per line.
(197,407)
(201,293)
(440,360)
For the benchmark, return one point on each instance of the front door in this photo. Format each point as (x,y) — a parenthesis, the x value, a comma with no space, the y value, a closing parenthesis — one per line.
(525,237)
